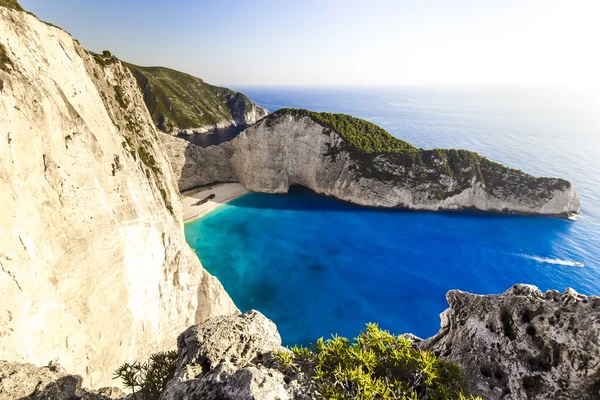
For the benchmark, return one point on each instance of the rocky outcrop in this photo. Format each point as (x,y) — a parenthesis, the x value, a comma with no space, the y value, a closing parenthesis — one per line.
(94,266)
(228,358)
(181,104)
(195,166)
(291,148)
(524,344)
(28,382)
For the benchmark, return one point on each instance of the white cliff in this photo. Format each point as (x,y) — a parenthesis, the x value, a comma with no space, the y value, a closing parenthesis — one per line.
(94,267)
(290,148)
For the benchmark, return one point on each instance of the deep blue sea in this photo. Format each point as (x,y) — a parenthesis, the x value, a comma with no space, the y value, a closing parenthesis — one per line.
(317,266)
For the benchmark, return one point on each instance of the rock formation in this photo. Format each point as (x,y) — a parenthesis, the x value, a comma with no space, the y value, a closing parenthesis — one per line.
(181,104)
(293,147)
(524,344)
(94,266)
(28,382)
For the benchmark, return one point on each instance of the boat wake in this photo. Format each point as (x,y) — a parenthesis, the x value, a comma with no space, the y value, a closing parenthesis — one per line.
(555,261)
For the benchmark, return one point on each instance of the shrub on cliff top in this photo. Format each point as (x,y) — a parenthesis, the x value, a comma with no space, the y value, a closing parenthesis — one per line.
(376,365)
(361,134)
(14,4)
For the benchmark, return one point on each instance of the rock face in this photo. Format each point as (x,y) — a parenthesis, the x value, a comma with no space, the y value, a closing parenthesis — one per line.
(289,148)
(524,344)
(94,267)
(181,104)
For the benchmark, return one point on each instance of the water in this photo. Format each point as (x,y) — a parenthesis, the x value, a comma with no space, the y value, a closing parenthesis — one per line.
(317,266)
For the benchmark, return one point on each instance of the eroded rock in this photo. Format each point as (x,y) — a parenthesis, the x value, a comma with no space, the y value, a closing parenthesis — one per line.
(524,344)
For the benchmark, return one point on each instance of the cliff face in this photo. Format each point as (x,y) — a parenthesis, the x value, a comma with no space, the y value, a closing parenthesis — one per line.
(183,104)
(95,269)
(291,148)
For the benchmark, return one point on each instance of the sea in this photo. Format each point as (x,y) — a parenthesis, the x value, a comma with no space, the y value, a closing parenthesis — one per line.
(317,266)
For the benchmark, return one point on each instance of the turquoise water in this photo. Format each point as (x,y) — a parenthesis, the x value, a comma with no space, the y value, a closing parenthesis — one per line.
(317,266)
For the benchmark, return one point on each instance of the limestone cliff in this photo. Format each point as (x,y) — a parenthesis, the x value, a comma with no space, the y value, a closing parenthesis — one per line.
(183,104)
(94,267)
(366,166)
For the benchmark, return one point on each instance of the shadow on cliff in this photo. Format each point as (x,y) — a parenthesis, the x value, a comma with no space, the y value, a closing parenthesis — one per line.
(216,137)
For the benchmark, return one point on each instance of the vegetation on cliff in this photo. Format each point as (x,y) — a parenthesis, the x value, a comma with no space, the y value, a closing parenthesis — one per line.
(179,100)
(13,4)
(376,365)
(4,59)
(380,155)
(150,378)
(361,134)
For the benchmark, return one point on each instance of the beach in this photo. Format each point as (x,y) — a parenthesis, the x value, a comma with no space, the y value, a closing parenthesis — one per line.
(223,192)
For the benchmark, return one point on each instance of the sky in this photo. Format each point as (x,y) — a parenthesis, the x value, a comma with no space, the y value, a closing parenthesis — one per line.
(345,42)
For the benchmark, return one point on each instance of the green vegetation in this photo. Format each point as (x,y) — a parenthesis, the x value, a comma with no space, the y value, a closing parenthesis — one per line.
(13,4)
(4,59)
(120,96)
(376,365)
(176,99)
(104,59)
(148,379)
(360,134)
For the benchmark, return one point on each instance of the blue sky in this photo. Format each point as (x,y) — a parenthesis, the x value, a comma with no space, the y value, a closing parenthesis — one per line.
(335,42)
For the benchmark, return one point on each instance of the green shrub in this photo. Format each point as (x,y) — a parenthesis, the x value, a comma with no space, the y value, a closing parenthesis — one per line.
(376,365)
(148,379)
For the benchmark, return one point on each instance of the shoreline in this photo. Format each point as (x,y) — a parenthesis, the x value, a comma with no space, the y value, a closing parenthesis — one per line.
(223,193)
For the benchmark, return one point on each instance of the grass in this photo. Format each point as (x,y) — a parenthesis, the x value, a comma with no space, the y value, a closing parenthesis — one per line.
(375,365)
(12,4)
(179,100)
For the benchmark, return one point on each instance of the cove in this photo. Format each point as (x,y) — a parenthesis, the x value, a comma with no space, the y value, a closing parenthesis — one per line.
(317,266)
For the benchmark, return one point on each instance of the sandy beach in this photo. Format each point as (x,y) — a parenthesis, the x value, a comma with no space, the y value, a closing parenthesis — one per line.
(223,192)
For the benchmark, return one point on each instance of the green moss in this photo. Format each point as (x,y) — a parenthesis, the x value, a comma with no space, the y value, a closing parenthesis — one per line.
(176,99)
(148,159)
(4,59)
(12,4)
(376,365)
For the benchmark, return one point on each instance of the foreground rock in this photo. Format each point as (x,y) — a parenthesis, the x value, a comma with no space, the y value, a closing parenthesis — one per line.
(293,147)
(225,358)
(94,266)
(28,382)
(524,344)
